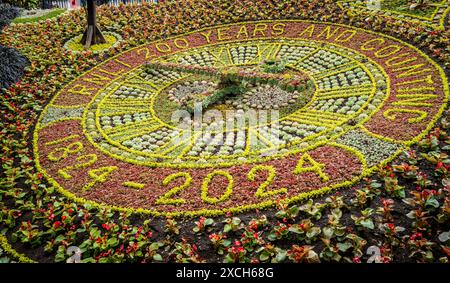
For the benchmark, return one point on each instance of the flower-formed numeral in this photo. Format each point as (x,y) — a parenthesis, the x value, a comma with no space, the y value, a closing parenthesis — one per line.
(61,153)
(167,198)
(262,189)
(85,161)
(99,176)
(228,191)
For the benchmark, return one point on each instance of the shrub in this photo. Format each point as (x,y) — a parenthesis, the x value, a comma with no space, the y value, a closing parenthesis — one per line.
(28,4)
(7,14)
(12,65)
(274,66)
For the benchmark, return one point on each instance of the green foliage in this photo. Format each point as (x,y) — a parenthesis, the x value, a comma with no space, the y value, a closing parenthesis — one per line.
(236,254)
(219,242)
(364,196)
(233,88)
(334,227)
(305,231)
(251,239)
(364,221)
(313,210)
(203,224)
(172,226)
(287,212)
(27,4)
(232,224)
(272,254)
(274,66)
(7,13)
(279,232)
(185,252)
(350,249)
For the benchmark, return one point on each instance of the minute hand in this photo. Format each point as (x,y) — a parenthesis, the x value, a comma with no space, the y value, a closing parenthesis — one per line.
(287,82)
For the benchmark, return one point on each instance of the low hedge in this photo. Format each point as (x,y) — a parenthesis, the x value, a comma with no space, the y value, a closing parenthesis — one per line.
(7,14)
(12,65)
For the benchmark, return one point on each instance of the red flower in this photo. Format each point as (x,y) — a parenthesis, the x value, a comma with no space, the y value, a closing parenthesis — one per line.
(57,224)
(51,217)
(415,236)
(253,226)
(17,214)
(433,33)
(63,218)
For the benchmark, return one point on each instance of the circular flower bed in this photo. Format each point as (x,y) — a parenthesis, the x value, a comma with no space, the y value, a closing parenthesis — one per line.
(112,40)
(102,138)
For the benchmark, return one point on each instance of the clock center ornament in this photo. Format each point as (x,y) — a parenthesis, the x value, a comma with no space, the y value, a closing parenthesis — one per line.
(236,117)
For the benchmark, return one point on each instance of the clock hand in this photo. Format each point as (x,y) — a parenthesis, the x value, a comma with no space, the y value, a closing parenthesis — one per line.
(284,81)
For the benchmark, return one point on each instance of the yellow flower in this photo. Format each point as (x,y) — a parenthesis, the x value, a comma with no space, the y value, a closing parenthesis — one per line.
(287,76)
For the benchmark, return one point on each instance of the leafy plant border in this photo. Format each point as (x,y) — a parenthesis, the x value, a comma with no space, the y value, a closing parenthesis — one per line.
(10,251)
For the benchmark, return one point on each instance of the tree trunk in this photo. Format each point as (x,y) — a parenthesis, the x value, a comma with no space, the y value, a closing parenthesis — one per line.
(92,34)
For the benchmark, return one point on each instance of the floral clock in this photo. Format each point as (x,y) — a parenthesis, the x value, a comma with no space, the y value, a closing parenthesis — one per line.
(109,138)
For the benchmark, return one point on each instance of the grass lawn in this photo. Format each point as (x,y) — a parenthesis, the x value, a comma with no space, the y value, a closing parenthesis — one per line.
(49,15)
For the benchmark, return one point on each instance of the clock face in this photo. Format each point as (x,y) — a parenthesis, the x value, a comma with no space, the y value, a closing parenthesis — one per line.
(160,129)
(133,117)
